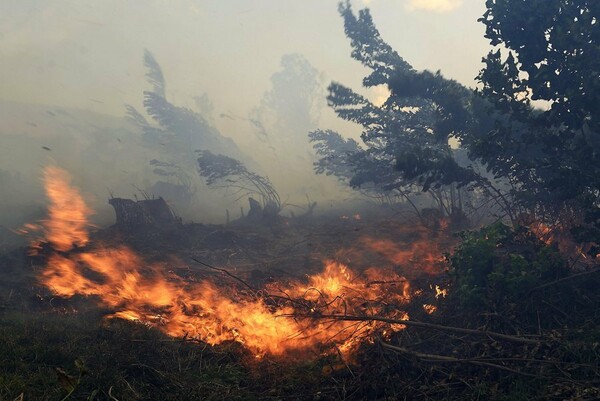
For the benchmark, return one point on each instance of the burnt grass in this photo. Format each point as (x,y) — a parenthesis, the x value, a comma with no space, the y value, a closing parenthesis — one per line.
(57,349)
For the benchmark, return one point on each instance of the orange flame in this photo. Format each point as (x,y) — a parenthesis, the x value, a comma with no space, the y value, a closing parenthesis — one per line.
(420,252)
(149,293)
(67,225)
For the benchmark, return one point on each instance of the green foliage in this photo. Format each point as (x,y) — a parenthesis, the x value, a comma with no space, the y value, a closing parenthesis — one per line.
(553,155)
(547,160)
(405,141)
(498,265)
(556,45)
(399,136)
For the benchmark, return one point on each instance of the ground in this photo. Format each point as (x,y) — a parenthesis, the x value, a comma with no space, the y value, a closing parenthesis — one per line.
(54,348)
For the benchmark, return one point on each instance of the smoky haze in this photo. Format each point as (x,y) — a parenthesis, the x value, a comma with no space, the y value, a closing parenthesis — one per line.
(239,78)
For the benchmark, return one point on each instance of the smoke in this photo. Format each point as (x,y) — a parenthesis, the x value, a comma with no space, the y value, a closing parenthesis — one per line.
(69,69)
(153,151)
(439,6)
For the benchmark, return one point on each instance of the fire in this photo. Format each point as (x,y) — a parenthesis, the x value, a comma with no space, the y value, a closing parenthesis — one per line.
(429,308)
(68,213)
(283,317)
(559,234)
(543,232)
(421,252)
(440,292)
(334,280)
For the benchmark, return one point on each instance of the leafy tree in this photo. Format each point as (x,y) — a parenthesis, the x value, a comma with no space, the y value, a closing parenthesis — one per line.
(537,161)
(554,54)
(406,140)
(336,154)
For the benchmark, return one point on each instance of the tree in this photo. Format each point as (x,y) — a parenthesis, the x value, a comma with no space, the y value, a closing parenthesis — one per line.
(542,162)
(176,132)
(231,174)
(405,140)
(291,107)
(554,54)
(287,111)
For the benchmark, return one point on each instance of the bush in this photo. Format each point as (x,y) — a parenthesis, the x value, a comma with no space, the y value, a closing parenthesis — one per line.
(498,265)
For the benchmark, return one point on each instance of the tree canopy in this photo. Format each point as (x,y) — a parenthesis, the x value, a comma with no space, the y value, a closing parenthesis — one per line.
(403,146)
(544,51)
(554,57)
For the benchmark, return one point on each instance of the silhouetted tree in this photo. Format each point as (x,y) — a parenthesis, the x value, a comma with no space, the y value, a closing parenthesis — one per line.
(175,132)
(231,174)
(287,111)
(550,159)
(405,145)
(554,55)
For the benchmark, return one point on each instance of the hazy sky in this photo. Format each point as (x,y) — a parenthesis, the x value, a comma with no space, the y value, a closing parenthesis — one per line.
(88,54)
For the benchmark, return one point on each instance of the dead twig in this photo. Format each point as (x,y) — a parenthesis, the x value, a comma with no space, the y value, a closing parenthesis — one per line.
(443,358)
(226,272)
(563,279)
(484,333)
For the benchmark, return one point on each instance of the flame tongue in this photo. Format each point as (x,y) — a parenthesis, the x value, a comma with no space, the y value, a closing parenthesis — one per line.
(146,292)
(68,213)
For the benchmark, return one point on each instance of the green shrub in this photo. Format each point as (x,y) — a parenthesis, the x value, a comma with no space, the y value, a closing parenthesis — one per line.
(498,265)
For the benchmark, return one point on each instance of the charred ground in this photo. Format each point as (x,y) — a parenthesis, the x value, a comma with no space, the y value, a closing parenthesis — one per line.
(55,348)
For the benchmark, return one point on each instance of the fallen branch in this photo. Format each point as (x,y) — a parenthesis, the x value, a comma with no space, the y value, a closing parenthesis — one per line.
(226,272)
(443,358)
(563,279)
(484,333)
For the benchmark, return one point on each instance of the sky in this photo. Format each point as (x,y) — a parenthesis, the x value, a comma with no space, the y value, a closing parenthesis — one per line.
(88,54)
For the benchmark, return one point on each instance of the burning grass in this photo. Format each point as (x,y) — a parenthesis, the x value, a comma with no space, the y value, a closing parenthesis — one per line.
(281,318)
(112,322)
